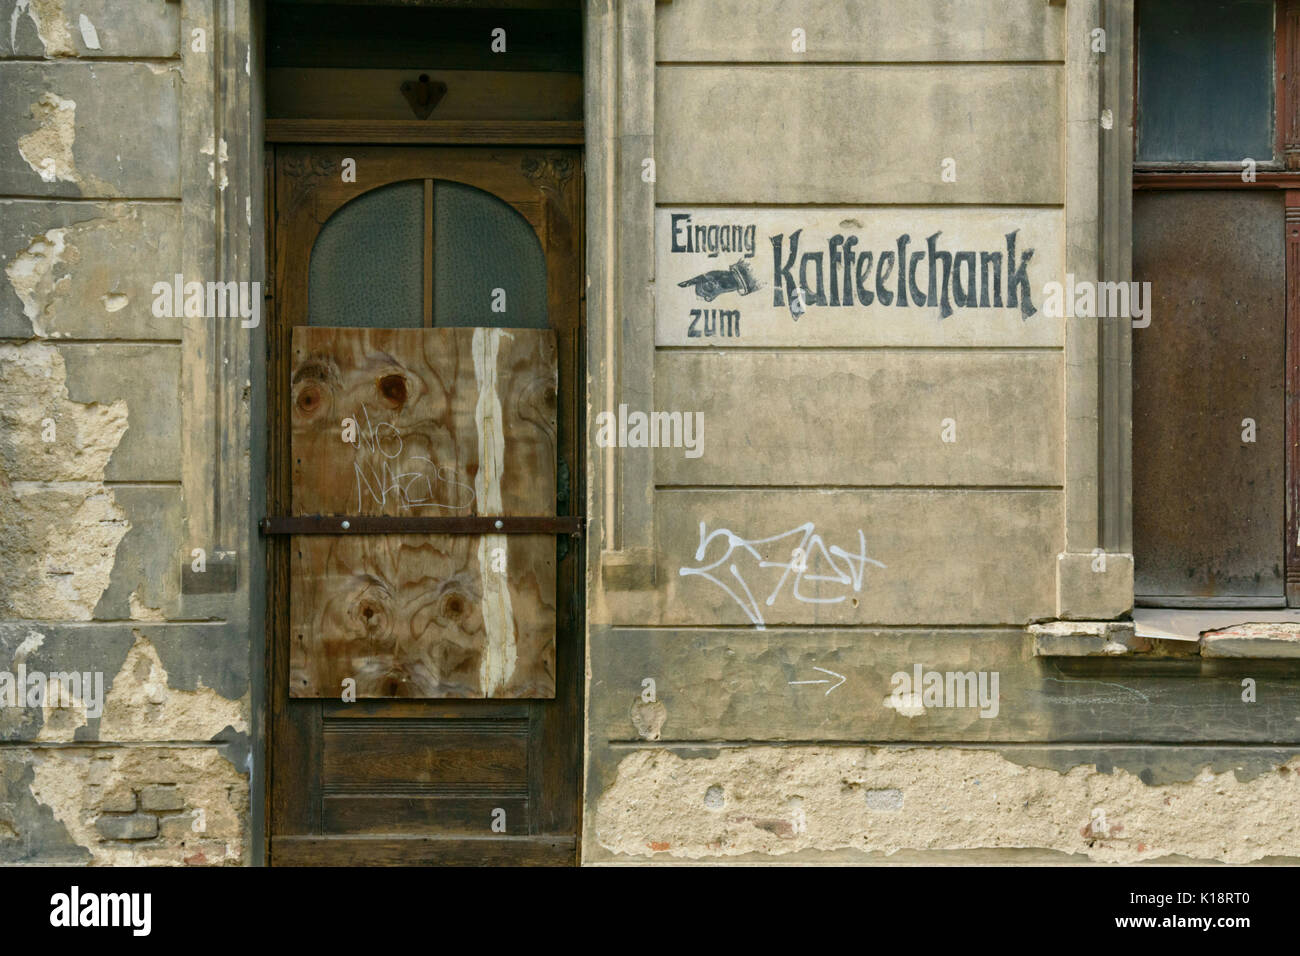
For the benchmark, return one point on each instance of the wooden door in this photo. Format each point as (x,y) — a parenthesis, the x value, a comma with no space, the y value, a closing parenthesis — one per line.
(425,635)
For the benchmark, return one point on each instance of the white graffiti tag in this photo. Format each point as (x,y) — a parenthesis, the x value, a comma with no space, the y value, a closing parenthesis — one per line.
(420,488)
(806,549)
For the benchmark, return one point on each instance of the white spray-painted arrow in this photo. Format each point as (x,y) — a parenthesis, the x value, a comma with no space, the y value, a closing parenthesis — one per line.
(841,680)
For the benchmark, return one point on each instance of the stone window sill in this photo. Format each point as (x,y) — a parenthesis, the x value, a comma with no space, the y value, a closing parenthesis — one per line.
(1155,633)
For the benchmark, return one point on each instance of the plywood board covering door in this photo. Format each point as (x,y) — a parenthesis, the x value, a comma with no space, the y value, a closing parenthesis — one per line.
(444,422)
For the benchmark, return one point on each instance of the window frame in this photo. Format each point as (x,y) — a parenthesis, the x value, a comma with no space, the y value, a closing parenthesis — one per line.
(1283,173)
(1281,54)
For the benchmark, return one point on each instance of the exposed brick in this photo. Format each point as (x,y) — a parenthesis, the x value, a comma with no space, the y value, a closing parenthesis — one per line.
(134,826)
(177,826)
(121,800)
(161,798)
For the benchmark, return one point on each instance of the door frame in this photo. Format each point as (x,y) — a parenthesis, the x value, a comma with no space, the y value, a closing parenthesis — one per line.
(546,177)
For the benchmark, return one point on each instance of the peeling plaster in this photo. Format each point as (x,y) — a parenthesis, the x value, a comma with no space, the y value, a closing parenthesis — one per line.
(89,35)
(887,800)
(33,387)
(61,541)
(32,642)
(47,17)
(31,274)
(141,611)
(62,523)
(60,724)
(29,833)
(64,527)
(65,274)
(221,156)
(114,301)
(141,704)
(48,148)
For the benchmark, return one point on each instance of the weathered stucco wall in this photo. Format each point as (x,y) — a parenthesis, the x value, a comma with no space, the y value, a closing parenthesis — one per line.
(907,804)
(747,702)
(138,751)
(895,709)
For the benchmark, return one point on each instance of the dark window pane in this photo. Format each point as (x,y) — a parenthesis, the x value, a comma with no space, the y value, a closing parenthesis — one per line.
(481,244)
(1205,80)
(367,266)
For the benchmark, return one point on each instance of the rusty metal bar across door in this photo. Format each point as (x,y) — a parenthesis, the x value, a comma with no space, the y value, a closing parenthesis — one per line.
(397,524)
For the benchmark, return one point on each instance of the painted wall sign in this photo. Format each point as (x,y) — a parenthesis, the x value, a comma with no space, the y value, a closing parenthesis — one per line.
(891,276)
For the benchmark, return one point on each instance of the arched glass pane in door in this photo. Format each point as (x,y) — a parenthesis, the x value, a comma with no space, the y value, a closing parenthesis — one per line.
(481,244)
(367,266)
(368,271)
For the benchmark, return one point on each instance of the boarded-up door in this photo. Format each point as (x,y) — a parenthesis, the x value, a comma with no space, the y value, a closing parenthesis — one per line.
(419,423)
(425,651)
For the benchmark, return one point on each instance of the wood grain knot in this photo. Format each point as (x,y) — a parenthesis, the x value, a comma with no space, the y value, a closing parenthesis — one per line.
(370,616)
(309,399)
(393,390)
(453,606)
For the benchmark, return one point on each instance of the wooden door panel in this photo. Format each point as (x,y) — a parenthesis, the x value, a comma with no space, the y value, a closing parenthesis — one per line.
(423,849)
(443,421)
(438,753)
(455,421)
(446,814)
(422,615)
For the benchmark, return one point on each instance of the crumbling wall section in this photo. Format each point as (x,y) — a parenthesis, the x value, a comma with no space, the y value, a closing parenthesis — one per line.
(916,802)
(124,707)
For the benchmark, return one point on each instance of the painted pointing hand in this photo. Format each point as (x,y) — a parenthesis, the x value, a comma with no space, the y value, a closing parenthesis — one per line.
(710,285)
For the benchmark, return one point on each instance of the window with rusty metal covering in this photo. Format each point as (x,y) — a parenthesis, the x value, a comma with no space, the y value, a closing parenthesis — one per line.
(1216,234)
